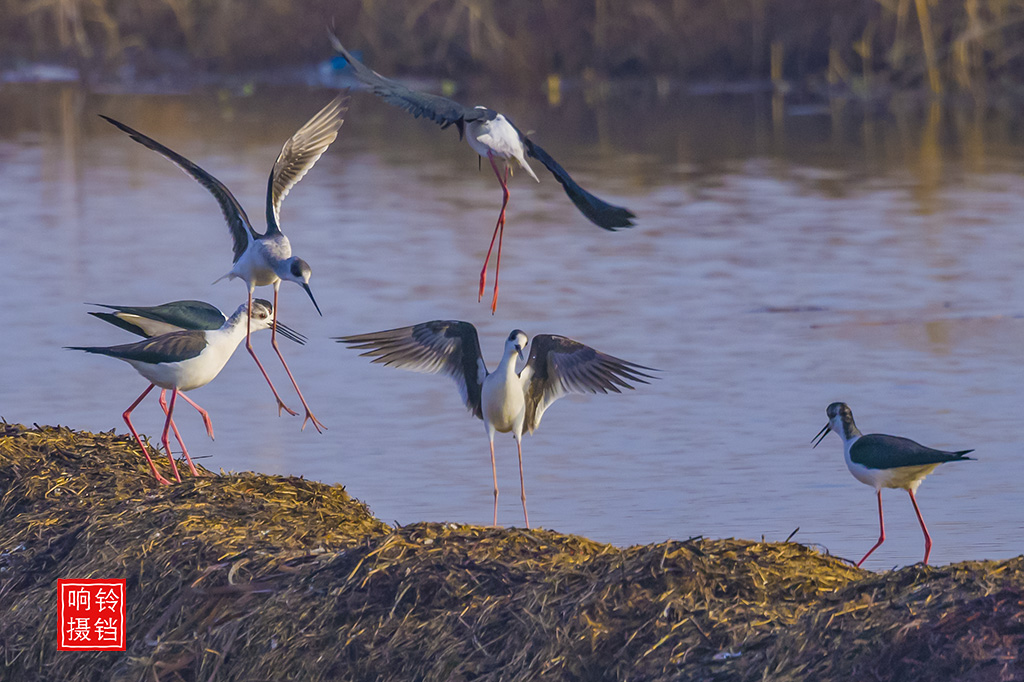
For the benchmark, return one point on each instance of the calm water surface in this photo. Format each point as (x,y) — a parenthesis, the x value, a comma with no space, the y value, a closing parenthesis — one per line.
(781,262)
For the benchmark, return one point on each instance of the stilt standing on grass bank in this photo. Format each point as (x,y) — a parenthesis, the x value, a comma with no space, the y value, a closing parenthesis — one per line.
(265,259)
(885,462)
(177,316)
(494,137)
(182,361)
(505,400)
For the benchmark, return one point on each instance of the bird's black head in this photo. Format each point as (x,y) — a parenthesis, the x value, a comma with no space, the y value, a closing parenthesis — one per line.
(300,270)
(840,420)
(262,310)
(836,409)
(518,339)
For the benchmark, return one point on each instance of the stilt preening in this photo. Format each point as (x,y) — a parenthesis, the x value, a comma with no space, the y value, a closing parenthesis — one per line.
(886,462)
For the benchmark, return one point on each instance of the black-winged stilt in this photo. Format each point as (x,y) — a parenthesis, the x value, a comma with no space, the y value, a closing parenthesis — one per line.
(185,360)
(506,400)
(885,462)
(493,136)
(176,316)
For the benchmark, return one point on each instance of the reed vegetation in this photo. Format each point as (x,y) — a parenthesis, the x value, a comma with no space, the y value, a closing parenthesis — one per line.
(855,44)
(256,577)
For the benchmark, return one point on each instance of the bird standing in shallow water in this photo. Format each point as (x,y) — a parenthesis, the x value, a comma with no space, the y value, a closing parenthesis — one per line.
(492,136)
(266,259)
(506,400)
(885,462)
(185,360)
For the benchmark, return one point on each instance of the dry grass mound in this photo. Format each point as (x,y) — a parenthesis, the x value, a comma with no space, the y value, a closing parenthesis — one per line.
(251,577)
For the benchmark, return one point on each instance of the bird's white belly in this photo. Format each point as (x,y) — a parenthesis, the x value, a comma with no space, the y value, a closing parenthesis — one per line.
(503,405)
(255,264)
(185,375)
(899,477)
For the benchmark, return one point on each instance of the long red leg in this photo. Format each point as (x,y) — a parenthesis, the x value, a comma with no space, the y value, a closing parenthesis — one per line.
(497,264)
(881,528)
(127,418)
(522,482)
(163,438)
(177,436)
(494,475)
(206,415)
(499,224)
(273,342)
(927,537)
(248,347)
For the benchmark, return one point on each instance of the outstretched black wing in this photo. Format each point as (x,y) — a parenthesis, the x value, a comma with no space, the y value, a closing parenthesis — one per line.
(447,347)
(559,366)
(299,153)
(598,211)
(440,110)
(241,228)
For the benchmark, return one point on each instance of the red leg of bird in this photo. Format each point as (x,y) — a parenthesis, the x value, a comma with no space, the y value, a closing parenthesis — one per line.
(177,436)
(163,438)
(522,482)
(273,342)
(927,537)
(205,415)
(499,224)
(248,347)
(127,418)
(497,264)
(494,475)
(881,530)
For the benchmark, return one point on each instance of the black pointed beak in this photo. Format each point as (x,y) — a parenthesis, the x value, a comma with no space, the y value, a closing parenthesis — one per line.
(821,435)
(519,351)
(290,334)
(308,291)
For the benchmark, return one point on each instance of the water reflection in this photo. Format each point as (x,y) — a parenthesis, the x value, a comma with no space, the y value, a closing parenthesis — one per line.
(780,263)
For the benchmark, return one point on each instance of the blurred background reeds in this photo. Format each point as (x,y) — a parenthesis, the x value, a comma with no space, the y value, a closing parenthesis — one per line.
(941,45)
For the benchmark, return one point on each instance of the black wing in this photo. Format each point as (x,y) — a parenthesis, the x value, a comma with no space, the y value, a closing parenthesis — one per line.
(439,347)
(173,347)
(558,366)
(234,214)
(440,110)
(879,451)
(299,153)
(598,211)
(196,315)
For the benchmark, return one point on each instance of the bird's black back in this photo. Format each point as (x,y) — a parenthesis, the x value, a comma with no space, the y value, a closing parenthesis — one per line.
(879,451)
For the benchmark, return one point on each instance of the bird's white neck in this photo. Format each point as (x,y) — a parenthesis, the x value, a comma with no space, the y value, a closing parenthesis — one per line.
(507,367)
(232,331)
(846,429)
